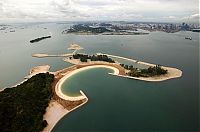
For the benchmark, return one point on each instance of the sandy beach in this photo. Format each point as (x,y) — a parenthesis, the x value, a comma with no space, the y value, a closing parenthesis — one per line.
(61,104)
(78,62)
(75,47)
(33,71)
(37,70)
(40,55)
(172,73)
(55,110)
(62,80)
(54,113)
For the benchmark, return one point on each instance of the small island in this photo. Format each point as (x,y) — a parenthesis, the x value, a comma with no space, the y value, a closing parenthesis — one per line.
(39,39)
(148,72)
(75,47)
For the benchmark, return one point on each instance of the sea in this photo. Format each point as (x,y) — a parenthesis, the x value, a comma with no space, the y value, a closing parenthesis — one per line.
(115,104)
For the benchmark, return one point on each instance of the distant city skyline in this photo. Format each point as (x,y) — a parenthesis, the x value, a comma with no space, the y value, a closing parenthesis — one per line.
(99,10)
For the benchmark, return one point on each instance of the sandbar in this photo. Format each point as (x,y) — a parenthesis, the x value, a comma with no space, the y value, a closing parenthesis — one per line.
(37,70)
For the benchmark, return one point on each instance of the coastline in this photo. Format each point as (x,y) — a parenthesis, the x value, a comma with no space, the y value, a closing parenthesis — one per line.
(50,116)
(61,104)
(172,72)
(53,118)
(62,80)
(33,71)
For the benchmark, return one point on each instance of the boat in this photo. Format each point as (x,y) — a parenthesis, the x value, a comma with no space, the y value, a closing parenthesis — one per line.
(190,38)
(196,30)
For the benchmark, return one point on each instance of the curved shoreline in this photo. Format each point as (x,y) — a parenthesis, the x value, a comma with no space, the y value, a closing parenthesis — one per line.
(172,72)
(53,118)
(50,115)
(58,87)
(61,76)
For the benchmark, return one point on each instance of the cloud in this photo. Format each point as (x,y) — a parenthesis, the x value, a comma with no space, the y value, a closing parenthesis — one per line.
(169,17)
(188,18)
(133,10)
(195,16)
(191,18)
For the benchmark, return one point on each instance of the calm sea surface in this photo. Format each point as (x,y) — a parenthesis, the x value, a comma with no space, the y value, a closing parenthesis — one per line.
(115,104)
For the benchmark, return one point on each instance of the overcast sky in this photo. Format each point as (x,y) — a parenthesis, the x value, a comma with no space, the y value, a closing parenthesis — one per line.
(108,10)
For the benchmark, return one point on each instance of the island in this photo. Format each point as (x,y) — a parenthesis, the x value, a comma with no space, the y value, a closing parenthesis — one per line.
(148,72)
(152,73)
(74,46)
(82,61)
(38,103)
(103,29)
(39,39)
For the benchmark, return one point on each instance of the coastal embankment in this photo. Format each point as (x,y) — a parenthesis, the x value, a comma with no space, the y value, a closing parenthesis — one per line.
(64,103)
(55,111)
(58,87)
(47,55)
(172,72)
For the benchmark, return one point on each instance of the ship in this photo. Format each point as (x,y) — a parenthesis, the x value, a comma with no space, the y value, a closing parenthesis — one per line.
(196,30)
(190,38)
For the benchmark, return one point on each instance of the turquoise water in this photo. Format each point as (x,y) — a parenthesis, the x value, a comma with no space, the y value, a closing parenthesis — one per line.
(114,103)
(118,104)
(74,81)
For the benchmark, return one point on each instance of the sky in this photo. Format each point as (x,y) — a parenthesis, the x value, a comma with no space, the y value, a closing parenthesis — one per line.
(99,10)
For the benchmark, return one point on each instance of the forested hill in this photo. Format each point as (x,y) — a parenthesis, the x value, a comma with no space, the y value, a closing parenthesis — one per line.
(22,107)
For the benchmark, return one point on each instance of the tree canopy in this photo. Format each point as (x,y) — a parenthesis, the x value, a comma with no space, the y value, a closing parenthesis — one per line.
(22,107)
(84,58)
(149,72)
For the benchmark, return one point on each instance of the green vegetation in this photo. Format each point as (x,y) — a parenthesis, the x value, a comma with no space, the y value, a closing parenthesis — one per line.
(84,58)
(86,28)
(103,28)
(149,72)
(22,107)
